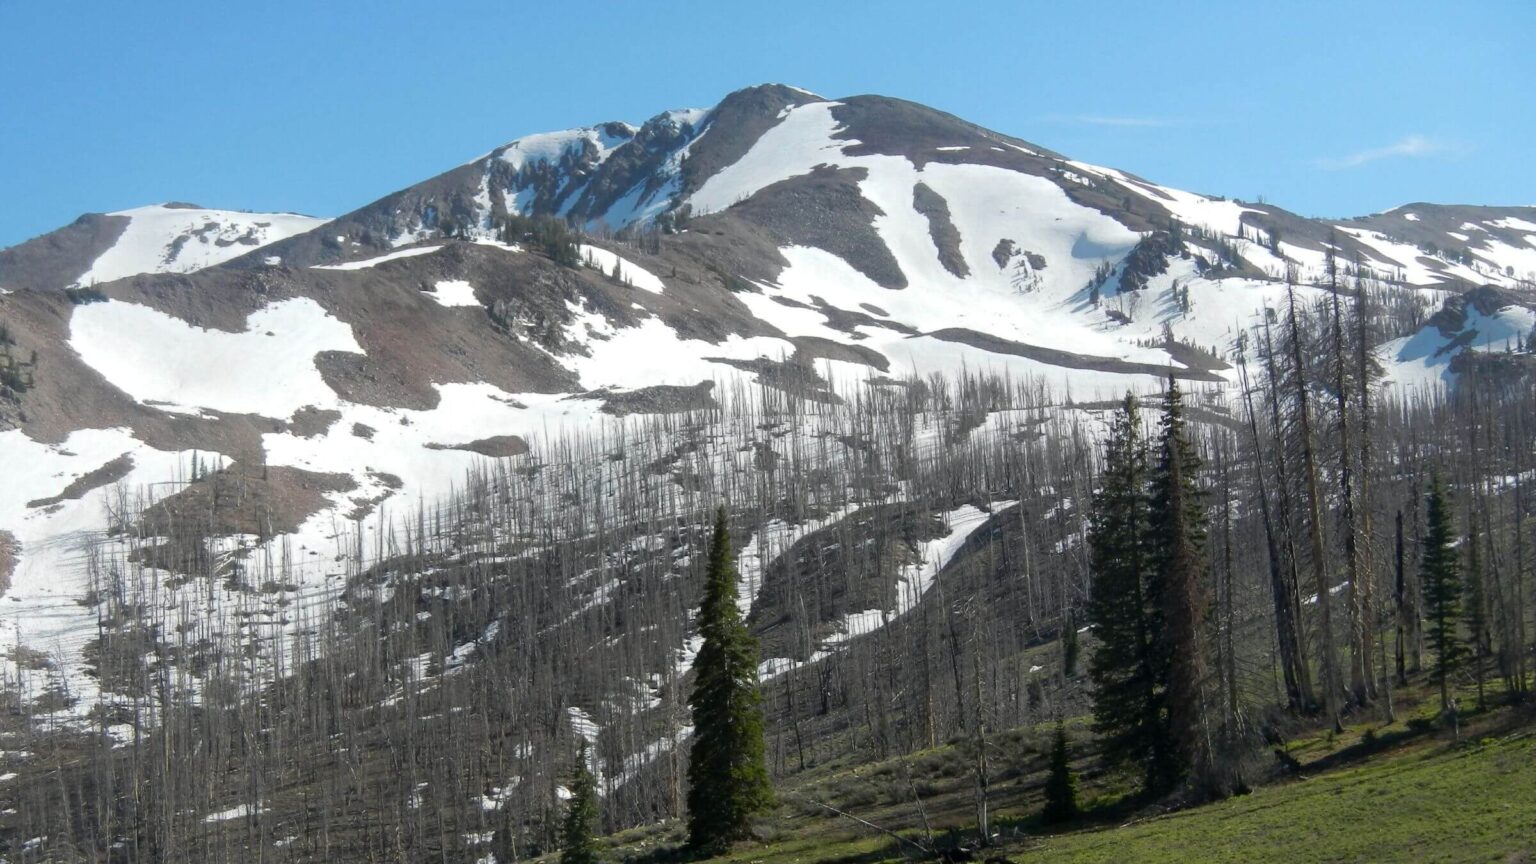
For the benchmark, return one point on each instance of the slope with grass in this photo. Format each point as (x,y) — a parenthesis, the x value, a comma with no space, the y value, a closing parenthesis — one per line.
(1409,790)
(1468,801)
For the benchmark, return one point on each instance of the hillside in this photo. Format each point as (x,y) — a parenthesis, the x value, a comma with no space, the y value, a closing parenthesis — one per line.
(1425,798)
(439,470)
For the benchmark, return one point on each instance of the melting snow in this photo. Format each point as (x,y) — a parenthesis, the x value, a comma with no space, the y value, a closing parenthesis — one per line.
(162,239)
(374,262)
(1514,224)
(800,142)
(454,292)
(237,812)
(269,369)
(629,272)
(1423,360)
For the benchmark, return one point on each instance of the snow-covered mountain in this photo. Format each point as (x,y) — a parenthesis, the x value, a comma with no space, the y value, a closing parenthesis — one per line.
(160,238)
(796,243)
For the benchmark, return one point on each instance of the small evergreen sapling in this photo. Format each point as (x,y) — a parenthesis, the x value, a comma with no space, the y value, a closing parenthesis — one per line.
(1061,785)
(1441,580)
(578,844)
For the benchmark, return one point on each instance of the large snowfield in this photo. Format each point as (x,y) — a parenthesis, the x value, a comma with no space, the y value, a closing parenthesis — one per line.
(165,239)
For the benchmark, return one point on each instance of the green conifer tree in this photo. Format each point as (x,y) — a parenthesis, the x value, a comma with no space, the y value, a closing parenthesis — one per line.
(1061,785)
(1127,701)
(727,769)
(578,844)
(1176,550)
(1441,579)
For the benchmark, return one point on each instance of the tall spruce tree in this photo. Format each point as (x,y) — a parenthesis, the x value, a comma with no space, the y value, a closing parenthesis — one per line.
(1176,551)
(1127,699)
(578,843)
(727,770)
(1441,580)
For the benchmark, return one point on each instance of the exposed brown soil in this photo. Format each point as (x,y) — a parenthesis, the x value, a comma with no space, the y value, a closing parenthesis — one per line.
(659,399)
(495,447)
(796,379)
(1194,357)
(310,421)
(363,506)
(264,501)
(809,349)
(1067,359)
(107,474)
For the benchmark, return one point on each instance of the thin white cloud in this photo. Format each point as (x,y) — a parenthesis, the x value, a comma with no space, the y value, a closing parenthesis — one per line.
(1112,120)
(1410,147)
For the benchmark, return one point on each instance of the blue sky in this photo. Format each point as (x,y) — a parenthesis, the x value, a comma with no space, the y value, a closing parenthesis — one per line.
(1336,108)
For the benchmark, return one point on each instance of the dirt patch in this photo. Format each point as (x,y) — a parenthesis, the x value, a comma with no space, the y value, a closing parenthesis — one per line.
(809,349)
(68,395)
(796,379)
(107,474)
(29,659)
(1003,252)
(240,499)
(362,506)
(357,378)
(1194,357)
(1067,359)
(941,228)
(309,421)
(847,320)
(495,447)
(660,399)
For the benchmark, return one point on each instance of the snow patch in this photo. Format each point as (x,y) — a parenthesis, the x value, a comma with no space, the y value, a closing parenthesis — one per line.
(374,262)
(628,272)
(160,239)
(269,369)
(800,142)
(454,292)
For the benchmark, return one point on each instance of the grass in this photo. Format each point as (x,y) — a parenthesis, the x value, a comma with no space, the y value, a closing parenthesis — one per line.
(1474,801)
(1404,791)
(1372,791)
